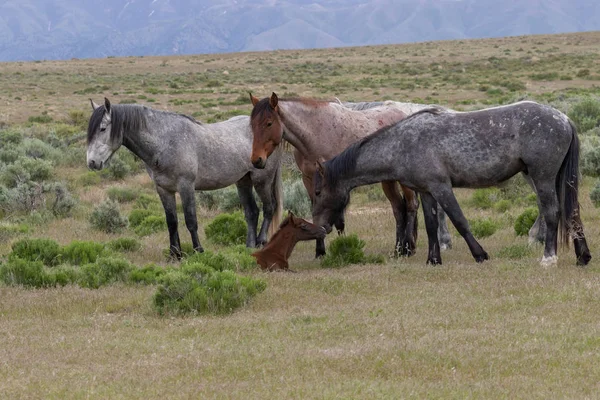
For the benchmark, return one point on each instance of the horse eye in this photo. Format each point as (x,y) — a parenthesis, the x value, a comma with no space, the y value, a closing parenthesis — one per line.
(102,129)
(269,123)
(317,192)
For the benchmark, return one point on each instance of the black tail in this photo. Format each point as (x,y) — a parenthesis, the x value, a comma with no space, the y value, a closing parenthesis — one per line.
(567,187)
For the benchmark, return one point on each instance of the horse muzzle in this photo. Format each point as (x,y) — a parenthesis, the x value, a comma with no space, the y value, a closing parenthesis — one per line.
(95,165)
(259,163)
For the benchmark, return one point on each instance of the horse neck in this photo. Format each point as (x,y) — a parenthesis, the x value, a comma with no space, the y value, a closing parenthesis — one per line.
(143,142)
(312,129)
(371,166)
(279,245)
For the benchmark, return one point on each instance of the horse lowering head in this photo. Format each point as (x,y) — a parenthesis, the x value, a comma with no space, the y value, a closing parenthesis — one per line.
(331,200)
(102,138)
(267,129)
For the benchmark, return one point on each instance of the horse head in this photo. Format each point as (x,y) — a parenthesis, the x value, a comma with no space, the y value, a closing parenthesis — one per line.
(304,230)
(331,200)
(267,129)
(103,139)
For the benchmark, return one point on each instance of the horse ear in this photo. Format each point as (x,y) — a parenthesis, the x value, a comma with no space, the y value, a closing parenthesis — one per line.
(273,100)
(290,214)
(253,99)
(107,105)
(94,105)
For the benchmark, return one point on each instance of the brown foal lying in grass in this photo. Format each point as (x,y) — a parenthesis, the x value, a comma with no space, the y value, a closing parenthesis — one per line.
(293,229)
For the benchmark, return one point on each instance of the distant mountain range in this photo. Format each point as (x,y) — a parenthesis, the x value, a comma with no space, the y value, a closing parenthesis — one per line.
(62,29)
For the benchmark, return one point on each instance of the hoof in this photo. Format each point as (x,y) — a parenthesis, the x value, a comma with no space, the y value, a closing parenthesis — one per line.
(549,261)
(481,258)
(445,246)
(319,254)
(434,261)
(199,249)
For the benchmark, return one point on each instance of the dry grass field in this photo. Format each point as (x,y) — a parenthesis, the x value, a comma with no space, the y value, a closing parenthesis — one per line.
(506,328)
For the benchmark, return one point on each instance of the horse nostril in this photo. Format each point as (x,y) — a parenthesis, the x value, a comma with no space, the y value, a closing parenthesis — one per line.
(259,163)
(92,164)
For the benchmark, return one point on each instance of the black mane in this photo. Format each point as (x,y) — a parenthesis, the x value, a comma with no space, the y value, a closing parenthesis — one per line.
(345,162)
(124,117)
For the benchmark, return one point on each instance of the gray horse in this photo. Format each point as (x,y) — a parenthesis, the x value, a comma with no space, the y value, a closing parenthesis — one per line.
(433,150)
(183,155)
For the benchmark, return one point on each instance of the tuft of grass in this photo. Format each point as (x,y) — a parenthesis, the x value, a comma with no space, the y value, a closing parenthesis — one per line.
(150,225)
(47,251)
(515,251)
(124,244)
(122,195)
(81,252)
(595,194)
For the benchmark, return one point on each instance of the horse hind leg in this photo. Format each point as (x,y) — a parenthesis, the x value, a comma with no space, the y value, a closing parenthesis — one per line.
(251,211)
(188,200)
(445,197)
(548,203)
(431,225)
(169,205)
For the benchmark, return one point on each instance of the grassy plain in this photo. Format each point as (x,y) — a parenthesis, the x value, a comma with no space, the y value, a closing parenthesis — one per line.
(503,329)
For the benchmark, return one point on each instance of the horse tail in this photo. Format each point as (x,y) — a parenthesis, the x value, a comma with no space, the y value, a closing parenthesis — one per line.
(567,187)
(277,189)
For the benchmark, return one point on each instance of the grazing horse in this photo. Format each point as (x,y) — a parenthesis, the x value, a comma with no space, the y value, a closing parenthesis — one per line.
(319,130)
(275,254)
(434,150)
(183,155)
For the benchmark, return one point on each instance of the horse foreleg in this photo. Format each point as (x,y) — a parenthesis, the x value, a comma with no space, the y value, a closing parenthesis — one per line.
(244,188)
(445,197)
(265,192)
(430,207)
(168,202)
(390,189)
(188,200)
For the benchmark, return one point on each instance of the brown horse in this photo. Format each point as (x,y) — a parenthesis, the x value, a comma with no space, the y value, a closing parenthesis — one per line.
(319,130)
(274,256)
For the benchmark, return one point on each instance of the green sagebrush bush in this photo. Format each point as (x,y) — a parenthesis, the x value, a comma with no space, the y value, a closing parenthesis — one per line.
(107,217)
(147,275)
(136,216)
(345,250)
(81,252)
(525,221)
(236,258)
(590,155)
(24,170)
(483,227)
(17,271)
(150,225)
(47,251)
(124,244)
(295,198)
(595,194)
(199,289)
(227,229)
(586,114)
(104,271)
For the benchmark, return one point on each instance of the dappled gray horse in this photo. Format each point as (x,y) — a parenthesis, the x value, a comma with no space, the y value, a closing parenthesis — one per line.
(409,108)
(434,150)
(183,155)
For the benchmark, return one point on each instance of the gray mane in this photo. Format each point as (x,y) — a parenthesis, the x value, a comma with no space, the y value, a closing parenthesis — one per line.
(345,163)
(124,118)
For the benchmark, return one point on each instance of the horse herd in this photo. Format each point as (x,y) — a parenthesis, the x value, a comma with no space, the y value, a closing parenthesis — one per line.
(409,148)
